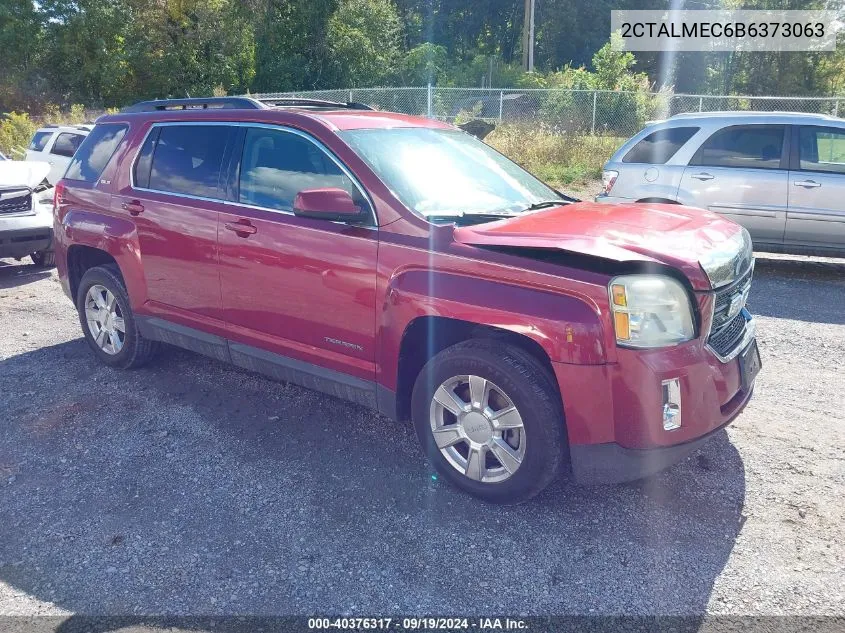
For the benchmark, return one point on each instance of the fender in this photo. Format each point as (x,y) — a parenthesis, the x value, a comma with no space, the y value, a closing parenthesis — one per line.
(117,237)
(566,327)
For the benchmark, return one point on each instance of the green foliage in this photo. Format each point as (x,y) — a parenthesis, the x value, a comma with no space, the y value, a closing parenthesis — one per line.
(363,39)
(554,156)
(15,132)
(106,53)
(425,64)
(624,111)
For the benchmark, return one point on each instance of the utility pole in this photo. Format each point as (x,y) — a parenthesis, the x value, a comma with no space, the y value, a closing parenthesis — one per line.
(528,37)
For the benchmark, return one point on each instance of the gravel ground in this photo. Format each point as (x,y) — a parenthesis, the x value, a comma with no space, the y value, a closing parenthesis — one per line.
(191,487)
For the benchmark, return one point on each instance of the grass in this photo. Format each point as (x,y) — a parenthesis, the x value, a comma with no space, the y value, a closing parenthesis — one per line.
(558,158)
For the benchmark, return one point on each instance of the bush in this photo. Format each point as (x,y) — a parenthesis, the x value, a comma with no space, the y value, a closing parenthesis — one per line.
(558,158)
(16,130)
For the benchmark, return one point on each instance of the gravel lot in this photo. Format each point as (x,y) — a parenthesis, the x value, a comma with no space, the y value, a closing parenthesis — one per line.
(191,487)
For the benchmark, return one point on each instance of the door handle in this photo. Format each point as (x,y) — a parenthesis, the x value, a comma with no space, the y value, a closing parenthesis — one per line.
(135,208)
(242,228)
(702,176)
(807,184)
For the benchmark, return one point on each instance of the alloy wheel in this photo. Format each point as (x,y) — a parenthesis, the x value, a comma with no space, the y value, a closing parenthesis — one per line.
(105,320)
(477,428)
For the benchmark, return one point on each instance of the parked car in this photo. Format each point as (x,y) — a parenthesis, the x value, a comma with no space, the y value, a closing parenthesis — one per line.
(402,264)
(26,219)
(55,145)
(780,175)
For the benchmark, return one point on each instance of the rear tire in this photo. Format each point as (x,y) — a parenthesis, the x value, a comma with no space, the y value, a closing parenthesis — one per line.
(501,434)
(44,259)
(108,322)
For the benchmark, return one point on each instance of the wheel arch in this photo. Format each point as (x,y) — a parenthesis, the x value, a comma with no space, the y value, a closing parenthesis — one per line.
(658,199)
(426,336)
(81,258)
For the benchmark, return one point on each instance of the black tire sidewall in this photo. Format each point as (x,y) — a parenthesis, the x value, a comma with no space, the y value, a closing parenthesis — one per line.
(111,281)
(45,259)
(532,395)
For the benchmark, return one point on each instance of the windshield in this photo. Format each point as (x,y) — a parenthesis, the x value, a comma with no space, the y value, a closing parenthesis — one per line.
(447,172)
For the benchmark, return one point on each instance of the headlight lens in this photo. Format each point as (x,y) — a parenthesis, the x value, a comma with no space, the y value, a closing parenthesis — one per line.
(650,311)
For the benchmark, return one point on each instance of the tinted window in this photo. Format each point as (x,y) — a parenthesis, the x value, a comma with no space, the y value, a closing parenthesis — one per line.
(66,144)
(95,152)
(757,146)
(187,159)
(659,146)
(822,149)
(277,165)
(145,159)
(39,141)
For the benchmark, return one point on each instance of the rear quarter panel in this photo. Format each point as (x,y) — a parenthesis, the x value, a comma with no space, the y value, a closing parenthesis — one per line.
(83,217)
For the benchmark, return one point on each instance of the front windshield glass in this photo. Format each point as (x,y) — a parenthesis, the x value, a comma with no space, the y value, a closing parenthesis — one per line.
(447,172)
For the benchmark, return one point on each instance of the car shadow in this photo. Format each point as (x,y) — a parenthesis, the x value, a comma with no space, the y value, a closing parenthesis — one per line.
(14,273)
(193,488)
(774,292)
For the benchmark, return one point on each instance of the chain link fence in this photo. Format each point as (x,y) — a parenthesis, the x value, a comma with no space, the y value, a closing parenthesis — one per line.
(597,112)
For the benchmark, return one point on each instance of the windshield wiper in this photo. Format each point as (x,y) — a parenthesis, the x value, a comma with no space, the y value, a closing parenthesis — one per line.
(548,203)
(472,214)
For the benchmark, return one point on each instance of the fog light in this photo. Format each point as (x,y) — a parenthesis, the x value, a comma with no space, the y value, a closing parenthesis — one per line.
(671,404)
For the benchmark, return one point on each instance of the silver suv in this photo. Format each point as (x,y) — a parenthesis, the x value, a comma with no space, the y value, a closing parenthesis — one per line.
(781,175)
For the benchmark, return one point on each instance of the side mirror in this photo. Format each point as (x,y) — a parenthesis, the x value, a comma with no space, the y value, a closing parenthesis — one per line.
(330,203)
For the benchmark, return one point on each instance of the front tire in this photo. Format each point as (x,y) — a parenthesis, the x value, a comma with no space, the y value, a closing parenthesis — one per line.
(108,322)
(489,418)
(44,259)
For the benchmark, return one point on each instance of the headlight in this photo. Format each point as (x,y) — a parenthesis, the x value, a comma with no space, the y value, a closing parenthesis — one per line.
(650,311)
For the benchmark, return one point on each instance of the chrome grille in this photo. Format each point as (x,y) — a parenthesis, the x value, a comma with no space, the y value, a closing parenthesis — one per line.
(724,297)
(726,339)
(15,201)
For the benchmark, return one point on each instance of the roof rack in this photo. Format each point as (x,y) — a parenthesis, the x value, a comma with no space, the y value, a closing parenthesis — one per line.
(208,103)
(748,113)
(315,103)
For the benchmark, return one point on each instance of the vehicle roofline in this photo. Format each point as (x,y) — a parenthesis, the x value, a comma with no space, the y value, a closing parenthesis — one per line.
(281,115)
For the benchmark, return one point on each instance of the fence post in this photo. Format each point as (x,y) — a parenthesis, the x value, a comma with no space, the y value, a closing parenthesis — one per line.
(350,96)
(836,108)
(593,128)
(501,102)
(429,101)
(701,104)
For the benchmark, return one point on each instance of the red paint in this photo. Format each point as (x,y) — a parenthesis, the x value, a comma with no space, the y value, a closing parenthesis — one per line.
(329,203)
(342,296)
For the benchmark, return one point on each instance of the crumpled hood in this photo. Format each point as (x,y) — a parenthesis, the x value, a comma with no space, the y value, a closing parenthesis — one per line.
(674,235)
(21,173)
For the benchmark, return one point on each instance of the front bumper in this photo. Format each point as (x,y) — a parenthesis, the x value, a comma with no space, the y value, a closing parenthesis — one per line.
(21,235)
(614,412)
(611,463)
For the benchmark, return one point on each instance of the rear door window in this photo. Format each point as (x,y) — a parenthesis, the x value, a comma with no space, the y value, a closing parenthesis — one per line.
(39,141)
(187,159)
(96,150)
(66,144)
(749,146)
(822,149)
(659,146)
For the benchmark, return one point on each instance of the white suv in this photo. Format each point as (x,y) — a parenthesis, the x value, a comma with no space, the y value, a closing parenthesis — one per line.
(781,175)
(56,144)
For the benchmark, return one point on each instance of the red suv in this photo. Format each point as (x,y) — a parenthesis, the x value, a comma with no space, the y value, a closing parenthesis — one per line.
(402,264)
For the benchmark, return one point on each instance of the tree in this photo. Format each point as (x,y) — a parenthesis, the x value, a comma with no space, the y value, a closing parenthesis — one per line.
(290,39)
(190,47)
(363,38)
